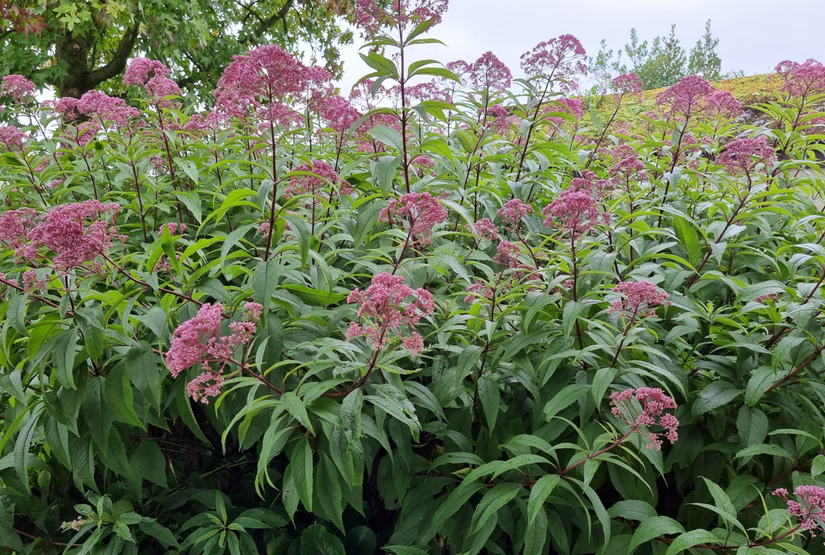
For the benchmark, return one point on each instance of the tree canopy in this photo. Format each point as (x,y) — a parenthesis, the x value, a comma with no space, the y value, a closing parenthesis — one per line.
(76,46)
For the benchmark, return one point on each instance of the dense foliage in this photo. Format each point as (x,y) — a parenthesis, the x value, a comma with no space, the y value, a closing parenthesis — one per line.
(79,46)
(430,318)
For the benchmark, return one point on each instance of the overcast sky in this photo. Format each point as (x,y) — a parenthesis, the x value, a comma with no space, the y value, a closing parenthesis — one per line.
(754,35)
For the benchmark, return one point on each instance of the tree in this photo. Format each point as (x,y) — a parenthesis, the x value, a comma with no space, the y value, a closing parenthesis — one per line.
(660,65)
(603,68)
(704,60)
(76,46)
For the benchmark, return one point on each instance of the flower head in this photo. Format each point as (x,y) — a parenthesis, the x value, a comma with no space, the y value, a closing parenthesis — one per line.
(802,79)
(384,306)
(484,229)
(323,176)
(371,15)
(742,155)
(141,70)
(628,83)
(574,212)
(640,298)
(488,72)
(810,510)
(560,58)
(643,408)
(420,212)
(513,211)
(17,87)
(696,97)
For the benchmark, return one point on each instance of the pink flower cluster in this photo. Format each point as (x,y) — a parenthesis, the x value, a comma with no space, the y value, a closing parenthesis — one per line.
(628,83)
(383,305)
(645,407)
(574,212)
(324,176)
(173,227)
(17,87)
(12,138)
(98,105)
(694,96)
(626,164)
(811,509)
(513,211)
(76,233)
(476,290)
(371,15)
(484,229)
(561,58)
(490,73)
(200,341)
(802,80)
(153,77)
(640,298)
(742,155)
(340,114)
(572,106)
(261,81)
(421,212)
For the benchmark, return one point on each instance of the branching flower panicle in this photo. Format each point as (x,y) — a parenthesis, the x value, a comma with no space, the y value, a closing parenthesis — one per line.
(639,299)
(574,212)
(419,212)
(810,510)
(644,408)
(385,308)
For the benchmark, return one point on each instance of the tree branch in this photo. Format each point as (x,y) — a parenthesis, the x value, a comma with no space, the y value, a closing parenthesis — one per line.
(118,63)
(271,20)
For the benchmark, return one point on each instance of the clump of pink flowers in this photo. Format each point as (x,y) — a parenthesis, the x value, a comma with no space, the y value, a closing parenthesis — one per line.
(693,96)
(643,408)
(17,87)
(371,15)
(574,212)
(490,73)
(560,58)
(419,212)
(484,229)
(802,80)
(513,211)
(639,299)
(173,227)
(628,83)
(76,233)
(742,155)
(385,307)
(201,341)
(323,175)
(810,510)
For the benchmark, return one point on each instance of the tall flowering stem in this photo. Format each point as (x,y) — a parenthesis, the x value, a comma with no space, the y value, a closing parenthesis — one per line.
(639,300)
(419,213)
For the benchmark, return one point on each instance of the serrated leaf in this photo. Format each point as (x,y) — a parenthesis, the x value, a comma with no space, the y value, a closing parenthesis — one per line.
(653,528)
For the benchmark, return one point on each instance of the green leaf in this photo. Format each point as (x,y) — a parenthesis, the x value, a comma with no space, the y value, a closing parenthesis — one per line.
(301,463)
(761,379)
(536,534)
(492,501)
(715,395)
(404,550)
(148,460)
(65,346)
(632,510)
(692,539)
(317,541)
(295,407)
(264,282)
(764,449)
(564,399)
(119,396)
(144,373)
(538,495)
(490,399)
(689,238)
(314,297)
(653,528)
(382,65)
(750,292)
(387,136)
(752,425)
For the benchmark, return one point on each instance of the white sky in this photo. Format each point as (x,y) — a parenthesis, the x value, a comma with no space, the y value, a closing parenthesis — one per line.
(754,35)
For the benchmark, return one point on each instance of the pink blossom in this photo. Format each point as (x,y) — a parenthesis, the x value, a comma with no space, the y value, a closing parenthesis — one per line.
(76,233)
(628,83)
(160,88)
(317,88)
(17,87)
(721,104)
(572,106)
(769,297)
(420,212)
(628,165)
(742,155)
(340,114)
(513,211)
(371,15)
(562,58)
(67,108)
(13,138)
(484,229)
(32,283)
(640,408)
(323,176)
(811,510)
(802,80)
(574,212)
(488,72)
(200,341)
(640,298)
(476,290)
(264,76)
(384,306)
(100,105)
(695,97)
(15,226)
(141,70)
(507,254)
(173,228)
